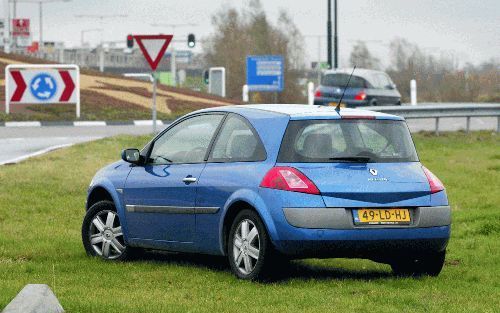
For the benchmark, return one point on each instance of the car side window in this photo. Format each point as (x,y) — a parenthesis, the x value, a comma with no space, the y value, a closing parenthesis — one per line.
(186,142)
(237,142)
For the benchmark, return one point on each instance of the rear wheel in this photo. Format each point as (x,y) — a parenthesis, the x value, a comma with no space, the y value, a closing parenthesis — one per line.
(429,264)
(102,234)
(250,251)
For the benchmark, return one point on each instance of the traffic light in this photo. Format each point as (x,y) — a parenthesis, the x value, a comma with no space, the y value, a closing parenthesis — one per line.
(130,41)
(191,41)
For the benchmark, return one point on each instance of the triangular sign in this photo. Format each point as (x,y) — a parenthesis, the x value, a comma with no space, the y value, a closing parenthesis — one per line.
(153,47)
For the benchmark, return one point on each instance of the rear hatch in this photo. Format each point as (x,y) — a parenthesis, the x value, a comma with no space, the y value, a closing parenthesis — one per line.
(357,162)
(369,184)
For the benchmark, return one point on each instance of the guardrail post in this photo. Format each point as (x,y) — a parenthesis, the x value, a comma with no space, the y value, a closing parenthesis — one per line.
(498,124)
(467,128)
(310,93)
(436,131)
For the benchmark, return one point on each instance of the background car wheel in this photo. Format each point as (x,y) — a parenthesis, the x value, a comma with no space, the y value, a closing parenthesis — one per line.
(102,234)
(430,264)
(250,251)
(373,102)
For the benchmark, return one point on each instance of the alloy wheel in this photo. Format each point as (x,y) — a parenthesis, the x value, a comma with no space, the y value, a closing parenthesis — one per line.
(106,236)
(246,246)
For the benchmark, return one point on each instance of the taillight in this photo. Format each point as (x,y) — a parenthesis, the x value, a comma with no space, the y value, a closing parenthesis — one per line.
(434,182)
(290,179)
(317,93)
(360,95)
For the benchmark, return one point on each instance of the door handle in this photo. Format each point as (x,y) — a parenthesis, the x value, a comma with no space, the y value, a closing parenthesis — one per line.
(189,179)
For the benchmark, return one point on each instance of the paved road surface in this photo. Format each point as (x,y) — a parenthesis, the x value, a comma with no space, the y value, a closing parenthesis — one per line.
(18,143)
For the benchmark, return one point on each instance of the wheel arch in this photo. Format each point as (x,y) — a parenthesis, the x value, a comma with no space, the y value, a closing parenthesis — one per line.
(97,194)
(235,206)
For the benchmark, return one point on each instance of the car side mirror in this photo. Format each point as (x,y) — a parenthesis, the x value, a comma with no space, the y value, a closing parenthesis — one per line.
(131,155)
(391,86)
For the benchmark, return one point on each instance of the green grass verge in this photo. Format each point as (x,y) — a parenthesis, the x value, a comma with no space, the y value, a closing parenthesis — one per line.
(41,209)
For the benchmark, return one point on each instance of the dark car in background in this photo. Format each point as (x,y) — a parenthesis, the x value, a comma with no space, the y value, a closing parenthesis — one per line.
(366,88)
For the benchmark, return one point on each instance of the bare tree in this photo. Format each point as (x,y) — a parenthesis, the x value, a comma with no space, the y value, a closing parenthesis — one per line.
(249,32)
(362,58)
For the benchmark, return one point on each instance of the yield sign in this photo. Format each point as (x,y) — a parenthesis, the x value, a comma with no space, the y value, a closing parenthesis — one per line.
(153,47)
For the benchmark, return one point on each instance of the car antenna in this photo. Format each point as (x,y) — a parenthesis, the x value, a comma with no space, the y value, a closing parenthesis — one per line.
(337,108)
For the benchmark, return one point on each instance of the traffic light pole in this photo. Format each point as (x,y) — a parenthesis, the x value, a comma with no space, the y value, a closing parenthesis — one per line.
(335,39)
(329,34)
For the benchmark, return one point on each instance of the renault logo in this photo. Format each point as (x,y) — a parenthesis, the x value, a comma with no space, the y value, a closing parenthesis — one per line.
(373,172)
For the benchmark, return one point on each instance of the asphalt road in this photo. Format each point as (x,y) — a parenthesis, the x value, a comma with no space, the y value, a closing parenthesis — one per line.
(19,143)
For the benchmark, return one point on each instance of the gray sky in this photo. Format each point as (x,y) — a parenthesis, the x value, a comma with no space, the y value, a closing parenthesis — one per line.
(468,29)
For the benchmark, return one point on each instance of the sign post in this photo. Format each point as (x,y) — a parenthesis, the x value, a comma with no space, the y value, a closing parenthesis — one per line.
(42,84)
(153,48)
(265,73)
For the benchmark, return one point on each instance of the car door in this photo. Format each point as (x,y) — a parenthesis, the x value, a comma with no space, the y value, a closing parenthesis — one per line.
(160,195)
(235,164)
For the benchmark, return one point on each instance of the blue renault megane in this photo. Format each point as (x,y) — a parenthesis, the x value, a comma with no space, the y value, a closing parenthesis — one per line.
(261,184)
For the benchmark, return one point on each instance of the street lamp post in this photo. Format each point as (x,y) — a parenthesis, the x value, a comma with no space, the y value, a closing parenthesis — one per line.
(40,6)
(101,18)
(173,65)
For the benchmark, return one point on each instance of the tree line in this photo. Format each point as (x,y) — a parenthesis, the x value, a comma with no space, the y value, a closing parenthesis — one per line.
(238,33)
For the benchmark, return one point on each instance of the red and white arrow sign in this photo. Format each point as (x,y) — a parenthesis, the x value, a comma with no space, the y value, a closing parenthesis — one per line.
(41,85)
(153,47)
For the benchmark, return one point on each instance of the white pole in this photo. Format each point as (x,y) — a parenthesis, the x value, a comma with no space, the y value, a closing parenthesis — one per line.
(41,27)
(413,92)
(6,35)
(101,58)
(7,93)
(310,93)
(173,66)
(154,102)
(245,93)
(77,91)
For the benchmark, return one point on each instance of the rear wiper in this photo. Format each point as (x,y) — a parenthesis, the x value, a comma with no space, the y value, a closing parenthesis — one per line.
(360,159)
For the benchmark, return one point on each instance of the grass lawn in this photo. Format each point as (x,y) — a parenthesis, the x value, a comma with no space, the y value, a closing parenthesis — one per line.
(42,206)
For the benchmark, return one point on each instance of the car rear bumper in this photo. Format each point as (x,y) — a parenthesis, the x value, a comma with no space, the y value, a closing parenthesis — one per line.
(341,218)
(330,232)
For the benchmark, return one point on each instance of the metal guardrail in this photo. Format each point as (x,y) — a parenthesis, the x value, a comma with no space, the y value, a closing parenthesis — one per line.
(438,111)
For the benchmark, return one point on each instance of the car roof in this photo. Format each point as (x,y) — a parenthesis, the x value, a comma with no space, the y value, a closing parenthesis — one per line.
(357,71)
(302,111)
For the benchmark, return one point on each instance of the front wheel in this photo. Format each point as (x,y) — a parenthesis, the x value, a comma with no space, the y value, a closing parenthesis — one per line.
(250,251)
(102,234)
(430,264)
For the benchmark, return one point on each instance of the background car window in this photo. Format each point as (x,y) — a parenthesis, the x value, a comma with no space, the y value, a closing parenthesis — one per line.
(340,80)
(237,142)
(186,142)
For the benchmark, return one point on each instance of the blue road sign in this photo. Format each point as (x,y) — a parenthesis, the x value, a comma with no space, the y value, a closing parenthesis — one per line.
(265,73)
(43,86)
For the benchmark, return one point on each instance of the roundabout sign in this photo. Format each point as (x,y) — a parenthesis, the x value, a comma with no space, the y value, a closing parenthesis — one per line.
(42,84)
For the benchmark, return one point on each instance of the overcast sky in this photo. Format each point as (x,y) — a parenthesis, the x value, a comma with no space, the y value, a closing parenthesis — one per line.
(469,29)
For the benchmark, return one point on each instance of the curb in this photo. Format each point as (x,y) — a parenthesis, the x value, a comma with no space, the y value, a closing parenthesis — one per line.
(83,123)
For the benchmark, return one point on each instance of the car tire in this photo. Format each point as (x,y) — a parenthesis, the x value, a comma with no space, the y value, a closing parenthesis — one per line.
(102,235)
(249,249)
(430,264)
(373,102)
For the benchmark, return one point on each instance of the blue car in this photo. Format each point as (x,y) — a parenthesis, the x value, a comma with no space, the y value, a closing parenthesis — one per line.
(262,184)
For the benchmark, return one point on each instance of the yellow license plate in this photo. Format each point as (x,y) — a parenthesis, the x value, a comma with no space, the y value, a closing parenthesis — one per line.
(382,216)
(334,104)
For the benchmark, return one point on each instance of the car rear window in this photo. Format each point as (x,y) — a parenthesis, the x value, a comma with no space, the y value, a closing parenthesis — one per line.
(340,80)
(321,141)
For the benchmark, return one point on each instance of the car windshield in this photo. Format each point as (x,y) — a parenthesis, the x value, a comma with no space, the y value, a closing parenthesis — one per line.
(340,80)
(356,140)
